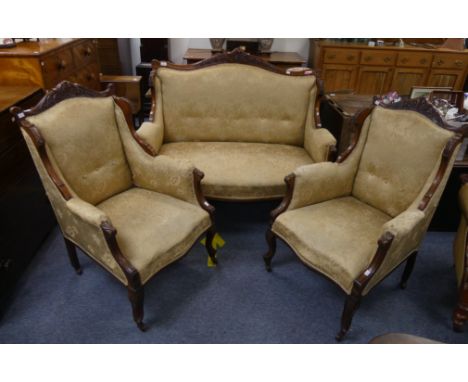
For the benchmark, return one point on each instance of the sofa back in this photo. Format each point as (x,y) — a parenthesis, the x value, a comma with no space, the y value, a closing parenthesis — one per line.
(83,141)
(402,150)
(235,102)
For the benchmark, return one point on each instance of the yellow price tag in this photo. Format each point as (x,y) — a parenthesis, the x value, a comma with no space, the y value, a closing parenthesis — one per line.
(218,242)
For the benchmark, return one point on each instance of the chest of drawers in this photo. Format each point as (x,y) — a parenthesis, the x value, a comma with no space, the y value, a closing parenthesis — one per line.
(47,62)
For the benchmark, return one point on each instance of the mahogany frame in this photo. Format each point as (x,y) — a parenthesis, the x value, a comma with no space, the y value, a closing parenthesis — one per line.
(239,56)
(66,90)
(460,312)
(353,300)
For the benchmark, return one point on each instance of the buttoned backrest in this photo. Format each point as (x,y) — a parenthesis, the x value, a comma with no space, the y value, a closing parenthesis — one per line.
(83,141)
(402,149)
(235,102)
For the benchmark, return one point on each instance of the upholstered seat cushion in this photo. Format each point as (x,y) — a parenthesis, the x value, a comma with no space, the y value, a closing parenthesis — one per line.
(336,237)
(239,170)
(153,229)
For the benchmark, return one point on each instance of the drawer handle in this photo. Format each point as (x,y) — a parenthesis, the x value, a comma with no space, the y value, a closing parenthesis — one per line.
(404,60)
(331,56)
(62,65)
(367,58)
(422,60)
(88,51)
(439,61)
(387,59)
(458,63)
(350,57)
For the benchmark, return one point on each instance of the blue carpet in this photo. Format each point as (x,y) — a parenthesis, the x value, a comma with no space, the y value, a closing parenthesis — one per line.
(236,302)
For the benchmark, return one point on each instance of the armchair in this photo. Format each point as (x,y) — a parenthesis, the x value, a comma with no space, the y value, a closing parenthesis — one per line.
(357,219)
(131,211)
(460,253)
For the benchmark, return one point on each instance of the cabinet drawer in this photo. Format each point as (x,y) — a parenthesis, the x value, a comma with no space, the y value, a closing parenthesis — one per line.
(84,53)
(58,63)
(88,76)
(414,59)
(341,56)
(375,57)
(453,61)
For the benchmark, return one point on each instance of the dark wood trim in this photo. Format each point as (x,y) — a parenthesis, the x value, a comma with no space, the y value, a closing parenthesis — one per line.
(353,300)
(40,145)
(290,181)
(446,156)
(134,287)
(420,105)
(127,111)
(357,121)
(65,90)
(236,56)
(197,178)
(460,313)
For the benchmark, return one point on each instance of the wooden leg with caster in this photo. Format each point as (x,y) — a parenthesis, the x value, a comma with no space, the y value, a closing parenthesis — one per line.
(210,234)
(71,249)
(408,269)
(352,303)
(136,297)
(271,241)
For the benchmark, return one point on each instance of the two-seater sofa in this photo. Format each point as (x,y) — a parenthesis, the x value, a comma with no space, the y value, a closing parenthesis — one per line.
(242,121)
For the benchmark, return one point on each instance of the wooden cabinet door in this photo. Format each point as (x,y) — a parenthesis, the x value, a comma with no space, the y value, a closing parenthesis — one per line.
(446,77)
(405,78)
(373,80)
(338,77)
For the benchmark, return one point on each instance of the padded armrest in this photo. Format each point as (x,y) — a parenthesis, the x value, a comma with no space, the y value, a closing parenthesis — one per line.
(404,224)
(87,212)
(152,133)
(168,176)
(407,229)
(318,182)
(319,145)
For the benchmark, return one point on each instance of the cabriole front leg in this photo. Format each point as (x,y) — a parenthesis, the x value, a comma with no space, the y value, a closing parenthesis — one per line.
(210,234)
(408,269)
(71,249)
(136,297)
(271,241)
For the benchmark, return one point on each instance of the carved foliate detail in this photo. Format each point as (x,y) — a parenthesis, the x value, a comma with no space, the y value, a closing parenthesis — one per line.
(420,105)
(65,90)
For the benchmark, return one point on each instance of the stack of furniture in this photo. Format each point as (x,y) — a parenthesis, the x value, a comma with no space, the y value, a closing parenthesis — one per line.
(46,62)
(380,69)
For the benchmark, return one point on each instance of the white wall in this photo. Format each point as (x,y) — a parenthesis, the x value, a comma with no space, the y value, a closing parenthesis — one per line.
(178,47)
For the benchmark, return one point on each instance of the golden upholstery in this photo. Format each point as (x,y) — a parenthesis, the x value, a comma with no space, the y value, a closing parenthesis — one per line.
(245,127)
(338,212)
(130,211)
(81,135)
(238,170)
(338,237)
(459,249)
(386,177)
(154,229)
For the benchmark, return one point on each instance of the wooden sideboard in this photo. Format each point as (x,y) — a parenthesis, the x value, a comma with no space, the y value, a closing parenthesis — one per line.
(282,59)
(380,69)
(26,216)
(47,62)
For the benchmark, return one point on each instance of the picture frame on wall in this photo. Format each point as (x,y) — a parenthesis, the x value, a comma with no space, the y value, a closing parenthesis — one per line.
(425,91)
